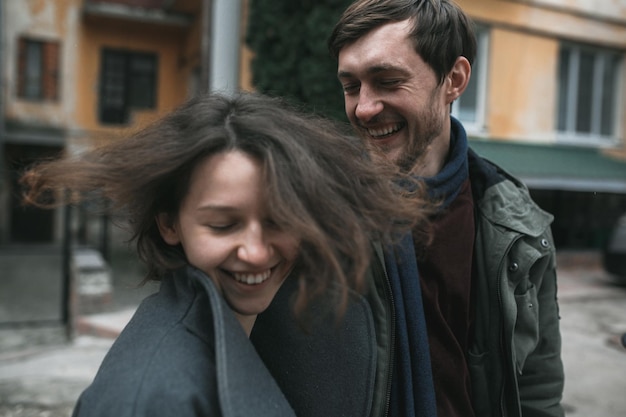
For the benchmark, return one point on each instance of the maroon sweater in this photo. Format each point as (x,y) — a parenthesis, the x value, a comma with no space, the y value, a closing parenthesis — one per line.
(445,270)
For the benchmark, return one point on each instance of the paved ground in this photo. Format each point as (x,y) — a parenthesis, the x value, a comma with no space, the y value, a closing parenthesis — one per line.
(593,318)
(41,374)
(44,364)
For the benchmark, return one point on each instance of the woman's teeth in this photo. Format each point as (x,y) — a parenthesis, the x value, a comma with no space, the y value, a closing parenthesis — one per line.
(252,279)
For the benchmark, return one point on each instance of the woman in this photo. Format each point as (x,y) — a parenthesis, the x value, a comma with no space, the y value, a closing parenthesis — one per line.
(226,198)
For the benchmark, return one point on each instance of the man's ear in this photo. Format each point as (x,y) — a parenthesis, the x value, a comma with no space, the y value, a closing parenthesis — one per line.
(458,78)
(167,229)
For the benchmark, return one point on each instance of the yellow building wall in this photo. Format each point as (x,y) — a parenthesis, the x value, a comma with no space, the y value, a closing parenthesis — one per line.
(564,23)
(523,59)
(524,39)
(172,73)
(522,86)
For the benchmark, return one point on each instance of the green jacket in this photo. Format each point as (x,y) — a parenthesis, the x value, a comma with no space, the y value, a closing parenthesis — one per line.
(515,356)
(515,360)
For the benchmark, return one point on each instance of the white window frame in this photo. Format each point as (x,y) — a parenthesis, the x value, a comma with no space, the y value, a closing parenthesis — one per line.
(569,135)
(479,75)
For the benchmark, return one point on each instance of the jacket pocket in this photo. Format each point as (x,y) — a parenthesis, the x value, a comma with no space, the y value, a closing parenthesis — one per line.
(526,333)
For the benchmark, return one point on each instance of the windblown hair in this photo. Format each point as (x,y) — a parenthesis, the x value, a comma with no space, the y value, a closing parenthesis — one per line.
(322,185)
(441,31)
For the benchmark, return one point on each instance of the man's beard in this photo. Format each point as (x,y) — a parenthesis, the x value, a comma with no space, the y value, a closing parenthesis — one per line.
(417,150)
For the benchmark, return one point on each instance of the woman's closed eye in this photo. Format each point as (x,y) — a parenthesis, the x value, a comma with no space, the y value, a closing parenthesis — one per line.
(221,227)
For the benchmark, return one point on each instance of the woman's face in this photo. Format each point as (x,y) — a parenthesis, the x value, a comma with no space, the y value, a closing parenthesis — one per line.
(226,231)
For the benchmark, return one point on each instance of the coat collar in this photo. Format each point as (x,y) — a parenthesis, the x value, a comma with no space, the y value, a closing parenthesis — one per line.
(245,386)
(503,199)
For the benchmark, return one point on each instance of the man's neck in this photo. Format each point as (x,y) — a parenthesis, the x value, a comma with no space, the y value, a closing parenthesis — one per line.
(434,158)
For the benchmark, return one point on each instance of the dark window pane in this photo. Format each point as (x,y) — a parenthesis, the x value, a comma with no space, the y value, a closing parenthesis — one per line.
(609,95)
(585,92)
(32,86)
(564,96)
(112,88)
(142,81)
(127,81)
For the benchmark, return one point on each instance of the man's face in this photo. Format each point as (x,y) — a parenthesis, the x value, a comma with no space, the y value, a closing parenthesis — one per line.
(393,98)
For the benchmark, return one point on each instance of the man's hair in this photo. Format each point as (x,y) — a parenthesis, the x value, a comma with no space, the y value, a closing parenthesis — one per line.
(441,31)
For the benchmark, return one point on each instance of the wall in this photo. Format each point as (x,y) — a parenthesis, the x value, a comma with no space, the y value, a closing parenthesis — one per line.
(54,20)
(173,70)
(552,22)
(74,116)
(598,9)
(523,57)
(522,87)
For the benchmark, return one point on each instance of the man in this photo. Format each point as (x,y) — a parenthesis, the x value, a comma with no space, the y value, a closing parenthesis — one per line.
(488,279)
(466,324)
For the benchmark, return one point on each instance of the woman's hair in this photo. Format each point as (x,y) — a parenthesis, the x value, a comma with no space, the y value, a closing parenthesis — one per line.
(322,185)
(441,31)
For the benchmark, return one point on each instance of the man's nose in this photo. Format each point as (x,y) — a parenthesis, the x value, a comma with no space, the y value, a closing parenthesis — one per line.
(368,106)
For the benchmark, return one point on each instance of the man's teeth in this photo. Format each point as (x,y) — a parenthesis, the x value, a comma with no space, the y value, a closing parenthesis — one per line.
(383,131)
(251,279)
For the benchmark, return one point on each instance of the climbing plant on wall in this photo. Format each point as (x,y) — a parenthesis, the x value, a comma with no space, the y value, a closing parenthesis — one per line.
(291,58)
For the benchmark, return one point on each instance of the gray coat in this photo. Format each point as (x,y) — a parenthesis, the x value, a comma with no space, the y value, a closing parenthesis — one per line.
(183,354)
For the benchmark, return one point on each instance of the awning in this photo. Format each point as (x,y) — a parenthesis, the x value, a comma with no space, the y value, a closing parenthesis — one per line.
(556,167)
(32,134)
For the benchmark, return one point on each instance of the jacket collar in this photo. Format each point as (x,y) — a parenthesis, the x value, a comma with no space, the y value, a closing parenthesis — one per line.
(245,386)
(503,199)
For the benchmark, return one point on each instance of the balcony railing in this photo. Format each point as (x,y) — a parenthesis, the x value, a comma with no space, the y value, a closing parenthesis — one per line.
(164,12)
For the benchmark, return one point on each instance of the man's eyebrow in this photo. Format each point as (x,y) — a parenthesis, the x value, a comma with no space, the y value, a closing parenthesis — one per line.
(375,69)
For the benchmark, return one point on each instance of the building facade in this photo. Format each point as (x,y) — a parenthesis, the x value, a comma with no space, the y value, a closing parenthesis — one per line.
(547,98)
(547,102)
(76,73)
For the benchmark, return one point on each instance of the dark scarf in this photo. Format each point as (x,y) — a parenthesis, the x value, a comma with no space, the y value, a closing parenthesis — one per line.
(413,392)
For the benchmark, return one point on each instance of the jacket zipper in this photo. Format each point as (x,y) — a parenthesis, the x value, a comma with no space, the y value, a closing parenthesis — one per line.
(502,342)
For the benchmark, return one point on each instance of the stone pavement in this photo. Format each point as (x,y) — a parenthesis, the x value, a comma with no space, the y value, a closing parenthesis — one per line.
(41,374)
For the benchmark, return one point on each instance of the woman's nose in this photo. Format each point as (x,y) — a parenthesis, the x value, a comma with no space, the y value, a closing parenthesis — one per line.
(254,248)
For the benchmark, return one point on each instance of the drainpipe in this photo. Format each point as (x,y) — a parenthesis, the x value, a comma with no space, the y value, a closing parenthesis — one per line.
(205,47)
(225,46)
(3,172)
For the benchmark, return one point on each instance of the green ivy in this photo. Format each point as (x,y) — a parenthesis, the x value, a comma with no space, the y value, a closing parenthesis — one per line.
(291,58)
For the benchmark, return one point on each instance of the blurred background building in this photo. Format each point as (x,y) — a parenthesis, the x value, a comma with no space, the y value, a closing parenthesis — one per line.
(79,72)
(547,98)
(74,74)
(548,104)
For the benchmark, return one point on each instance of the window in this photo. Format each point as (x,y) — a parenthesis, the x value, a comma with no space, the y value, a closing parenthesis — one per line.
(588,92)
(470,106)
(127,82)
(38,70)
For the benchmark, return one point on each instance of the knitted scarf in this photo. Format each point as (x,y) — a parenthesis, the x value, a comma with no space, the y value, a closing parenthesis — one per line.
(412,392)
